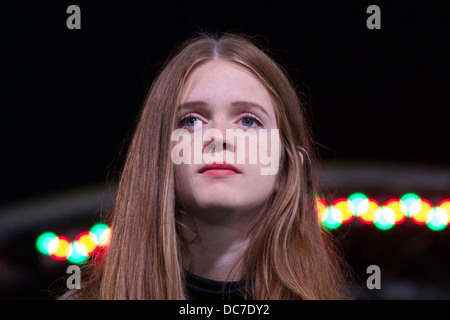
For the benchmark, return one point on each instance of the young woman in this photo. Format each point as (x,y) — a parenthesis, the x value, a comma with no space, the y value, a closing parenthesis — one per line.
(219,230)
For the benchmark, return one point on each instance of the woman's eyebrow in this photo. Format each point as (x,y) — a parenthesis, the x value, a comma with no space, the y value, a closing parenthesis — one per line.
(248,104)
(191,104)
(239,104)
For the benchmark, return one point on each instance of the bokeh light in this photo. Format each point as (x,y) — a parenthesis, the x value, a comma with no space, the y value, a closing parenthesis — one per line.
(445,204)
(346,208)
(331,215)
(321,209)
(394,211)
(359,201)
(60,248)
(419,211)
(396,206)
(437,218)
(384,218)
(79,253)
(333,218)
(366,210)
(43,242)
(410,203)
(102,232)
(85,244)
(88,240)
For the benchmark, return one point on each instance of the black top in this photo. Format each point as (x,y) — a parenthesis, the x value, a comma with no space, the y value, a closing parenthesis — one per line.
(199,288)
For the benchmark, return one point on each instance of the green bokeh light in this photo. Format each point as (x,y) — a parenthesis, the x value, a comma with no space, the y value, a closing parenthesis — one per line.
(356,198)
(43,242)
(409,199)
(77,256)
(382,222)
(435,223)
(98,230)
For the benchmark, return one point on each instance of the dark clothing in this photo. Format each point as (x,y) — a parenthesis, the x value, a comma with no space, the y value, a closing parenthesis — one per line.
(199,288)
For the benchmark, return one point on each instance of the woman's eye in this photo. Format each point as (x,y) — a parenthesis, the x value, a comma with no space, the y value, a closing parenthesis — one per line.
(251,121)
(189,121)
(192,122)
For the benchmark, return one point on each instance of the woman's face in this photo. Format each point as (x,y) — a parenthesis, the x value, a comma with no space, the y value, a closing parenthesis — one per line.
(218,96)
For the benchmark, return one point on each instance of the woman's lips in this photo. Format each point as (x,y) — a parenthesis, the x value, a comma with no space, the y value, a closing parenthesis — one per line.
(219,170)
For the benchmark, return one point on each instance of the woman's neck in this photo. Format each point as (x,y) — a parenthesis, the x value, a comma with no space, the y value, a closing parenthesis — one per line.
(218,248)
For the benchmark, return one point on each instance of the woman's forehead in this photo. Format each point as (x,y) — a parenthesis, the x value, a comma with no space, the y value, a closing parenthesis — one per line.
(225,82)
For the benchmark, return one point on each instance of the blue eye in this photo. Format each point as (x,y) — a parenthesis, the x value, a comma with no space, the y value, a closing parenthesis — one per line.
(189,121)
(250,120)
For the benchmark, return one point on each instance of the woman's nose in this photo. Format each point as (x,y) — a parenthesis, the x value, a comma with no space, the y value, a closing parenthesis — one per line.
(217,134)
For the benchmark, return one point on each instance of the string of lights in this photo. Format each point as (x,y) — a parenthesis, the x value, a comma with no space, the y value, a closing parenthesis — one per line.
(79,250)
(357,206)
(384,216)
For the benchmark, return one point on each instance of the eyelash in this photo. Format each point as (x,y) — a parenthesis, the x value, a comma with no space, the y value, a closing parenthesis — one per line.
(193,116)
(254,118)
(183,120)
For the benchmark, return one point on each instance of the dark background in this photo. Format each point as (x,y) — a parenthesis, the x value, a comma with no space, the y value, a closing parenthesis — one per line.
(70,99)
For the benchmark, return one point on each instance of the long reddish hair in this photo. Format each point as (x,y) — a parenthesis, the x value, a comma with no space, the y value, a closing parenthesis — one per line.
(289,257)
